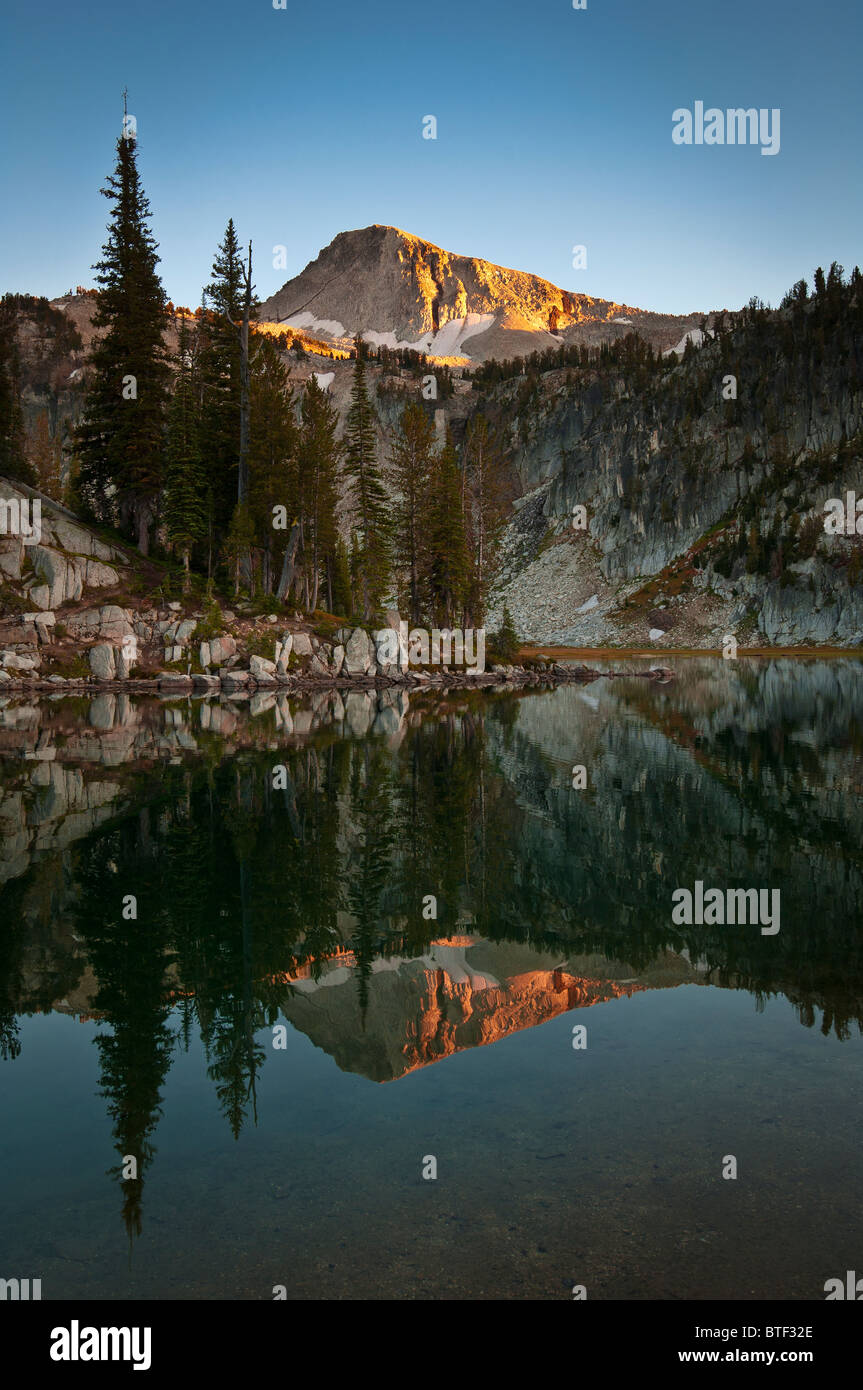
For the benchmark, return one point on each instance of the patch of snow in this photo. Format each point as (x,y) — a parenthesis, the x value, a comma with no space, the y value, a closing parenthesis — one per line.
(387,339)
(325,379)
(694,335)
(592,602)
(621,320)
(655,633)
(473,324)
(308,320)
(447,342)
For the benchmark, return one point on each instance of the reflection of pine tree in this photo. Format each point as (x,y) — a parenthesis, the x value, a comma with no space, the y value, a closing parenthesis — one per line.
(371,806)
(253,880)
(10,981)
(237,1056)
(458,836)
(129,959)
(318,884)
(24,904)
(11,946)
(224,959)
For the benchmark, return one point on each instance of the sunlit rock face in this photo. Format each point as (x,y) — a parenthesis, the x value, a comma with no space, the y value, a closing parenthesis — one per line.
(456,996)
(401,291)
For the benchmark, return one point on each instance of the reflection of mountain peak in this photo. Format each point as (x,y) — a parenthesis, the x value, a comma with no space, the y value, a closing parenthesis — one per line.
(457,996)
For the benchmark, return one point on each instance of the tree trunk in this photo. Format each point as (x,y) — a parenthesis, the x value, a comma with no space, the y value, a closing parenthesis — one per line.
(315,574)
(287,576)
(142,519)
(415,586)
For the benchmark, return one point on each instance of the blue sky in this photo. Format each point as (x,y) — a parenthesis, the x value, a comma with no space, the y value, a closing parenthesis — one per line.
(554,129)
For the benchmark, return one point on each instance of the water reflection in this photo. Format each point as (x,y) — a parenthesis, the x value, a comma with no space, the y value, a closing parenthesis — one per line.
(401,881)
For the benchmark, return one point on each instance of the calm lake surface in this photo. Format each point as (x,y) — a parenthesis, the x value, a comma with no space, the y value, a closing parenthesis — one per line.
(217,958)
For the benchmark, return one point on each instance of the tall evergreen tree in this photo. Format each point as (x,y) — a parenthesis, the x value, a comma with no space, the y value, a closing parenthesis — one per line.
(186,492)
(238,542)
(272,451)
(341,601)
(120,442)
(448,566)
(221,328)
(13,462)
(318,457)
(412,450)
(46,458)
(369,496)
(484,506)
(224,294)
(354,561)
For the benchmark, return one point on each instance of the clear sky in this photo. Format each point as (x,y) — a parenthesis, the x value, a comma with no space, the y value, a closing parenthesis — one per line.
(554,129)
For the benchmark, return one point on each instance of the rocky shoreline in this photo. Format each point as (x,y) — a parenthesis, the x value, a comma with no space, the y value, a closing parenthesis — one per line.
(126,650)
(237,683)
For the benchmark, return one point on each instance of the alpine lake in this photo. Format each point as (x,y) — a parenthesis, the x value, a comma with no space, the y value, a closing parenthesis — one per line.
(371,996)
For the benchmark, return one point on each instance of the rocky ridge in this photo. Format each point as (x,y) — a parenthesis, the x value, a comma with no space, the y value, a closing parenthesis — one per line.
(704,515)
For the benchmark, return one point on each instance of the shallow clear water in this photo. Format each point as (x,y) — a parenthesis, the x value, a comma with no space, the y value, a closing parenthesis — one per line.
(297,898)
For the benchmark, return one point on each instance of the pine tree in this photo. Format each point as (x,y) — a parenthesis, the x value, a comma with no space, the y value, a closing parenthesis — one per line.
(46,458)
(341,601)
(241,534)
(369,497)
(272,451)
(13,463)
(316,489)
(484,501)
(221,325)
(835,277)
(120,442)
(506,642)
(412,467)
(224,294)
(354,571)
(447,564)
(186,491)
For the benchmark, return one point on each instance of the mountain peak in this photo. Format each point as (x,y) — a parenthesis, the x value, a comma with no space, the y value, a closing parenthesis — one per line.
(400,290)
